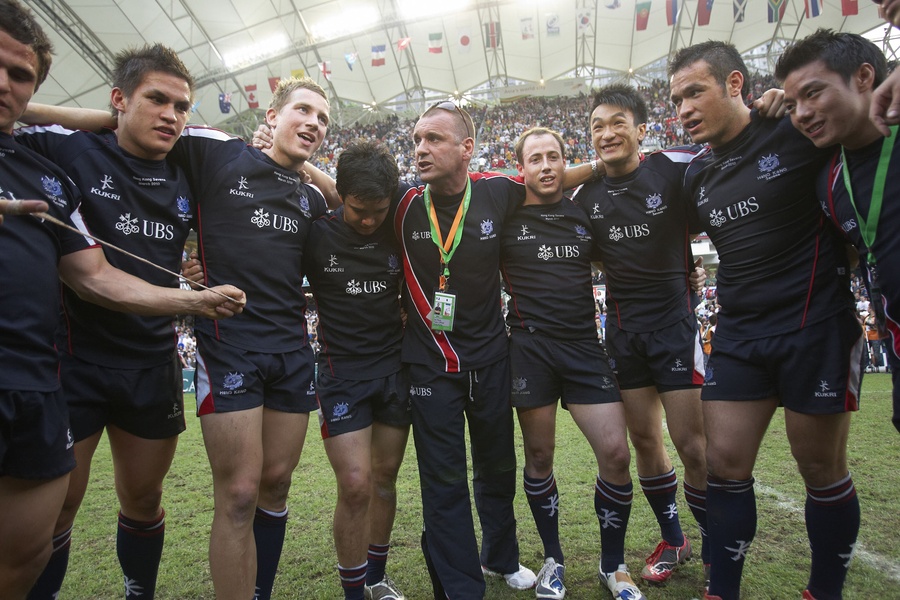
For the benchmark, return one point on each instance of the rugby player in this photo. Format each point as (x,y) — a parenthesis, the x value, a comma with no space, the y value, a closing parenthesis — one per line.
(545,259)
(121,371)
(829,80)
(36,453)
(352,261)
(782,295)
(640,226)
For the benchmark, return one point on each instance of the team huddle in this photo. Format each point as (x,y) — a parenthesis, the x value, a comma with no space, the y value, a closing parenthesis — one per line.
(407,279)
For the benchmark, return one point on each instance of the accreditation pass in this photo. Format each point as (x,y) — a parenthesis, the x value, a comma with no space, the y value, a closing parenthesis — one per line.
(443,311)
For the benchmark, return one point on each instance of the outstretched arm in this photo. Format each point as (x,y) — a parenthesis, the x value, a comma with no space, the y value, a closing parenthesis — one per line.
(89,119)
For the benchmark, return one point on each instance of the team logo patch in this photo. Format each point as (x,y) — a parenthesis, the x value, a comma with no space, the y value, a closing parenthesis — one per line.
(233,381)
(580,230)
(127,224)
(654,201)
(519,384)
(53,189)
(769,163)
(708,376)
(393,263)
(183,204)
(340,410)
(612,363)
(487,227)
(304,204)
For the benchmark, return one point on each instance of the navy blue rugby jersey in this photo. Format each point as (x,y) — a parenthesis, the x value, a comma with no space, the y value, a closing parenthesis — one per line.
(640,226)
(835,201)
(142,206)
(479,335)
(356,281)
(545,259)
(779,258)
(30,249)
(253,218)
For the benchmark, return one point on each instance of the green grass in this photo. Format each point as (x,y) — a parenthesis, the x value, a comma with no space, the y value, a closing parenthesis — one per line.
(777,566)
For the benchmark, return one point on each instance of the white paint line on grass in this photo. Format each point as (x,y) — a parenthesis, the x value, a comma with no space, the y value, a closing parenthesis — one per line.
(872,559)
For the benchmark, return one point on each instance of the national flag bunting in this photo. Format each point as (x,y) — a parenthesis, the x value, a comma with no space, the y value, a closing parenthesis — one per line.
(436,43)
(849,7)
(326,72)
(740,8)
(403,43)
(378,55)
(813,8)
(642,15)
(527,24)
(776,10)
(671,11)
(492,35)
(584,19)
(704,11)
(273,82)
(252,98)
(465,41)
(225,103)
(552,25)
(351,57)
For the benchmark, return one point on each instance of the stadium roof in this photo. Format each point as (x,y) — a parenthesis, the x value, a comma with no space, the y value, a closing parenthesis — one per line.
(471,49)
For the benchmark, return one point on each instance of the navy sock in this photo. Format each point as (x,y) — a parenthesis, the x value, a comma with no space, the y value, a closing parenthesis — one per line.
(731,517)
(613,506)
(543,500)
(378,555)
(660,493)
(49,583)
(696,501)
(353,580)
(268,531)
(139,545)
(832,523)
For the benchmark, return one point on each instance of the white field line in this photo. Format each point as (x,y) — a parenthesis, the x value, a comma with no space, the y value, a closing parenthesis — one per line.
(872,559)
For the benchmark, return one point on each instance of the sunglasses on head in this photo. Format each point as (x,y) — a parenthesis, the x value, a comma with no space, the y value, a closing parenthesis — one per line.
(451,107)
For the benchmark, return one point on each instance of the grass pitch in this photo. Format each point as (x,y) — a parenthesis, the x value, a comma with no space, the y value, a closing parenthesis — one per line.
(776,569)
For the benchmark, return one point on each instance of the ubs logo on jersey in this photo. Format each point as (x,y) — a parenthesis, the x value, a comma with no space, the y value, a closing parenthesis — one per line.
(241,189)
(421,235)
(518,386)
(393,264)
(261,219)
(615,233)
(233,384)
(768,167)
(825,391)
(596,214)
(106,183)
(559,251)
(333,266)
(525,235)
(184,208)
(545,252)
(127,224)
(422,392)
(487,230)
(655,205)
(353,287)
(53,190)
(735,211)
(849,225)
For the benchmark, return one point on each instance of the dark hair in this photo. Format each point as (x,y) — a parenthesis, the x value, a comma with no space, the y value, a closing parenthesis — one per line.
(520,143)
(843,53)
(623,96)
(722,58)
(23,27)
(367,171)
(133,64)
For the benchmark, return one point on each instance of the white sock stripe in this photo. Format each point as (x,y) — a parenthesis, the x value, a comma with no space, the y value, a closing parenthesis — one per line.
(275,515)
(838,483)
